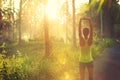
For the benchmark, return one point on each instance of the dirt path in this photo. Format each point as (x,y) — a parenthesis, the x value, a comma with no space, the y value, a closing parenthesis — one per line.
(108,67)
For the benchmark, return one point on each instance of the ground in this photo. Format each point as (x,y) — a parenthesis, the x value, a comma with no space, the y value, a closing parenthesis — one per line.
(27,61)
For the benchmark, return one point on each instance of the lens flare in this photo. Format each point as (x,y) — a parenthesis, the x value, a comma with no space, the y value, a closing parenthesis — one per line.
(52,9)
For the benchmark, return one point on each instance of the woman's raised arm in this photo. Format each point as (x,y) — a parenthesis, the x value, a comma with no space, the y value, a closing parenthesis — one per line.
(81,39)
(90,39)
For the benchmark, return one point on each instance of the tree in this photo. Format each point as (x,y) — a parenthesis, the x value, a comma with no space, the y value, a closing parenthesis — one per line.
(7,19)
(106,11)
(20,19)
(47,44)
(74,28)
(67,14)
(108,19)
(20,13)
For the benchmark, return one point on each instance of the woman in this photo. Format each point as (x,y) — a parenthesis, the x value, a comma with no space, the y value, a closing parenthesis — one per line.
(85,59)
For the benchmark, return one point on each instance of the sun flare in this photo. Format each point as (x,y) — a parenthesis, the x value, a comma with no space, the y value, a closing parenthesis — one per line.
(52,9)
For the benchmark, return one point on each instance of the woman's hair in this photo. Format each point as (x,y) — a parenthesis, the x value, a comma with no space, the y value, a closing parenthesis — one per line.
(85,32)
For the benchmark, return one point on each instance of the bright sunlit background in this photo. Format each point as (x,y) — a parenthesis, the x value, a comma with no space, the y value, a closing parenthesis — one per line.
(52,9)
(119,2)
(53,6)
(57,16)
(56,12)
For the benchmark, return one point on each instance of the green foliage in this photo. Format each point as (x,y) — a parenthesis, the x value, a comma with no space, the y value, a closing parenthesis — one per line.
(12,67)
(27,62)
(101,44)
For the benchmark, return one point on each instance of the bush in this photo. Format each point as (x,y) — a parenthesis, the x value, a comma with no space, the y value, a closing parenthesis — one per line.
(100,45)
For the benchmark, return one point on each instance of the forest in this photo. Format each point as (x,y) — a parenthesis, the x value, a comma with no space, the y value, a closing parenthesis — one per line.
(39,39)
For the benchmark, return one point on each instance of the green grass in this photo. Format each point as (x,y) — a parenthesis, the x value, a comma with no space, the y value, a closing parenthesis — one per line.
(26,61)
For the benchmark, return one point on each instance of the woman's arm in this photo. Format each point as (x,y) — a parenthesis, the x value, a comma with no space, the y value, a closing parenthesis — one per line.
(81,39)
(90,39)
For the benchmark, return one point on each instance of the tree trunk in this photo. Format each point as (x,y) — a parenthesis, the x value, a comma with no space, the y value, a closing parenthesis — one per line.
(107,19)
(0,3)
(47,43)
(67,13)
(107,24)
(20,21)
(74,28)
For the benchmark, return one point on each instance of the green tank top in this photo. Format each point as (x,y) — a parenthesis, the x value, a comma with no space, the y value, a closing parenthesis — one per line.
(85,54)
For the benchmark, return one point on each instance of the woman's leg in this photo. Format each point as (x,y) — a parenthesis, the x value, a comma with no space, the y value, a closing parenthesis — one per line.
(90,70)
(82,71)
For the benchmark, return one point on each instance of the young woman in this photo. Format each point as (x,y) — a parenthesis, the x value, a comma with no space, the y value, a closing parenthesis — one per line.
(85,58)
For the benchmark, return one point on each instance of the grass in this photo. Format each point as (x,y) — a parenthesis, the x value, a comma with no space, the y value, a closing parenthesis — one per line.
(26,61)
(61,65)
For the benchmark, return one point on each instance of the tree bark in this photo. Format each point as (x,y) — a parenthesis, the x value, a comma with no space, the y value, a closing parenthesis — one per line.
(20,12)
(74,28)
(46,34)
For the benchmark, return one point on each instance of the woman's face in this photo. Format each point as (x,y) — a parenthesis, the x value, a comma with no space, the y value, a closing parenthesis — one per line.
(85,32)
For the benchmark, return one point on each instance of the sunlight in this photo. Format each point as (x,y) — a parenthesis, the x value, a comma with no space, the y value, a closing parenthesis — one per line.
(67,76)
(100,5)
(119,2)
(16,4)
(52,9)
(78,2)
(26,37)
(63,60)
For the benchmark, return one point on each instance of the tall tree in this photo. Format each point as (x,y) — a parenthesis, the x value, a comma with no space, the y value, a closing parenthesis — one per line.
(0,3)
(20,13)
(105,13)
(46,31)
(67,14)
(74,28)
(108,20)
